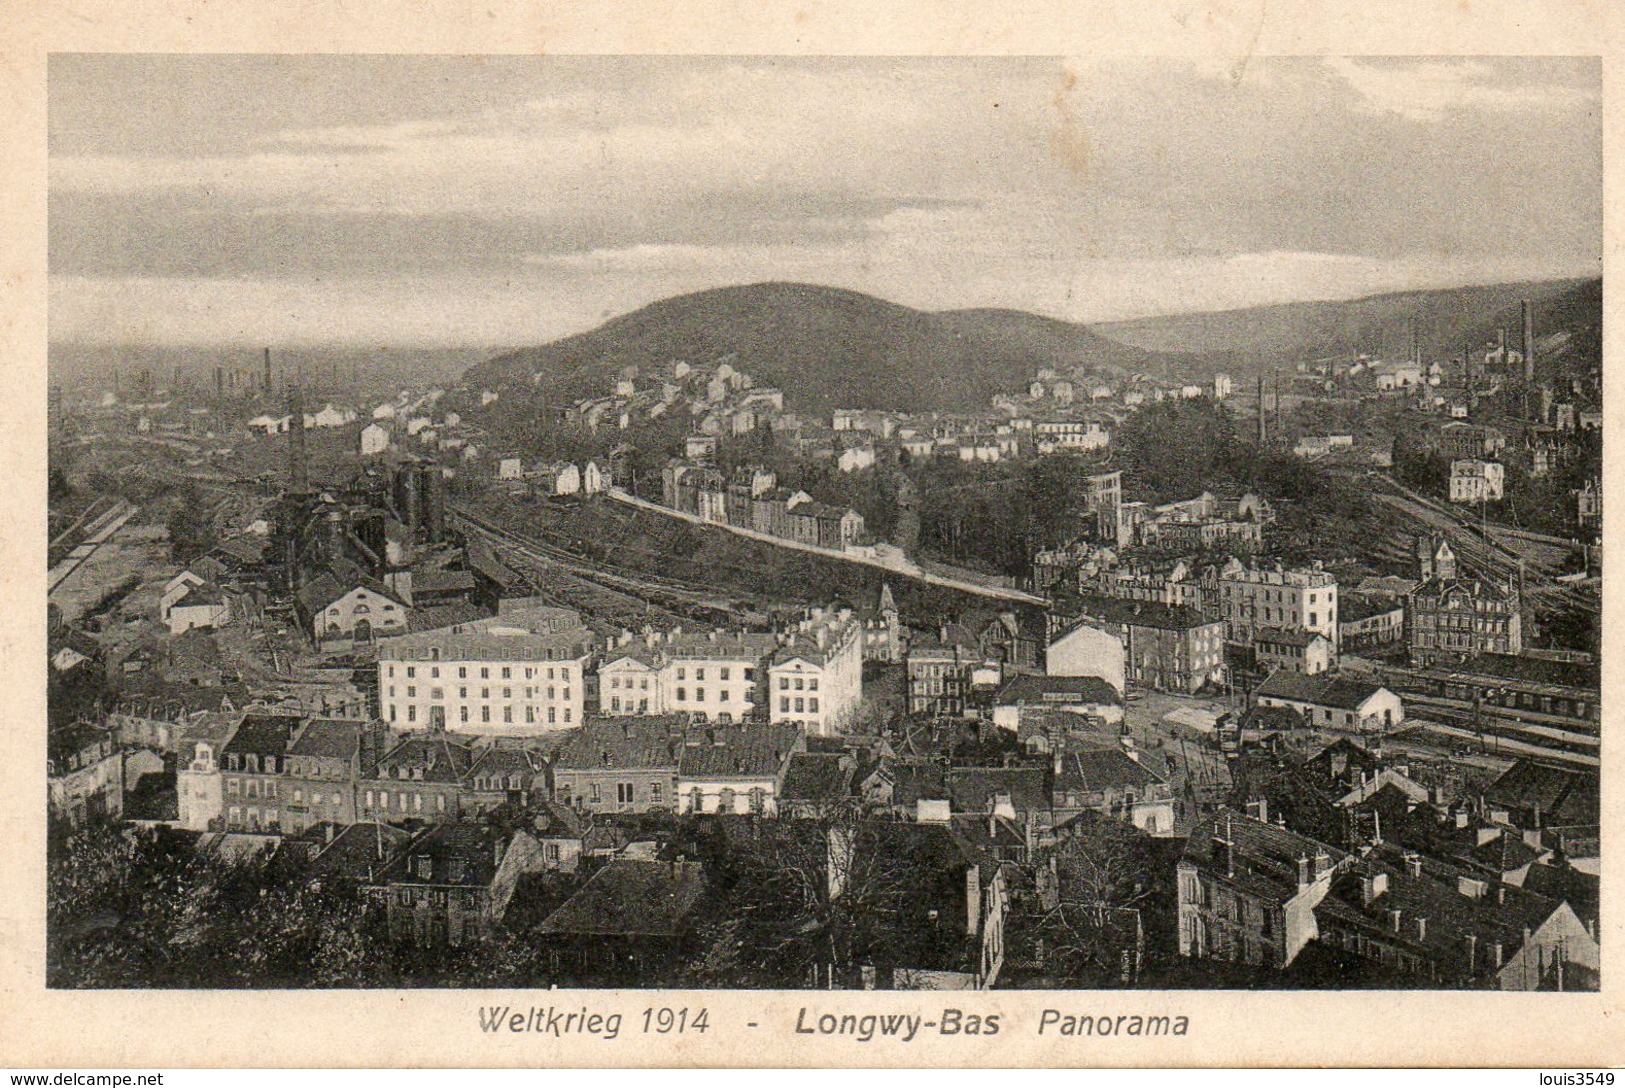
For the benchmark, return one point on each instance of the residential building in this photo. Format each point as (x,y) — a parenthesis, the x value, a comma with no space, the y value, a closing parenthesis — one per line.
(84,773)
(203,606)
(735,769)
(1449,618)
(1090,695)
(939,677)
(253,764)
(1368,621)
(199,792)
(375,439)
(714,675)
(815,679)
(1087,650)
(1473,481)
(1332,701)
(420,778)
(628,925)
(438,889)
(1294,650)
(1248,890)
(1444,925)
(519,673)
(505,773)
(621,765)
(1251,598)
(325,760)
(1167,648)
(1119,782)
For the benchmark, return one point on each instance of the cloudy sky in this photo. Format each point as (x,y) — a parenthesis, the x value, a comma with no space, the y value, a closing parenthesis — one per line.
(419,201)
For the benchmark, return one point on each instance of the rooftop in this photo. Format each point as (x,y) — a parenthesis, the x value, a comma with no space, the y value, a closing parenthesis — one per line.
(631,899)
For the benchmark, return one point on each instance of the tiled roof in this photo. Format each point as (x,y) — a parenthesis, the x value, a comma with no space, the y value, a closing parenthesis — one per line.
(1265,857)
(1142,613)
(442,757)
(263,734)
(328,738)
(361,851)
(631,899)
(1563,796)
(623,743)
(461,854)
(974,789)
(1105,769)
(1322,689)
(1057,689)
(744,751)
(817,776)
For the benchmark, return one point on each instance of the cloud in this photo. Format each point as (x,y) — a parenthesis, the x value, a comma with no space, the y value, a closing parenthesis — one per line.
(1428,90)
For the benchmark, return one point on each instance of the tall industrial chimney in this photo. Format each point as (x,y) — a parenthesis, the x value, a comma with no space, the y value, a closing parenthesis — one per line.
(267,370)
(296,437)
(1528,342)
(1263,415)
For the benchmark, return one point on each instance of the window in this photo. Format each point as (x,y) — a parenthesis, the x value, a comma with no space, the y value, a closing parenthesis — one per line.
(462,672)
(567,714)
(800,684)
(722,696)
(564,674)
(462,693)
(682,695)
(411,691)
(440,802)
(552,715)
(699,674)
(812,706)
(232,786)
(369,799)
(462,714)
(784,704)
(507,715)
(725,801)
(799,705)
(298,796)
(485,672)
(417,802)
(507,673)
(437,693)
(530,714)
(507,693)
(485,714)
(411,671)
(724,672)
(624,793)
(812,684)
(699,695)
(654,792)
(682,673)
(392,670)
(434,673)
(758,800)
(485,693)
(412,713)
(784,683)
(592,792)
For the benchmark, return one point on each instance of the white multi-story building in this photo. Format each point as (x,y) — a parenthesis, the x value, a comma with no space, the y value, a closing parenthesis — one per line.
(716,676)
(518,673)
(1301,600)
(816,678)
(1474,481)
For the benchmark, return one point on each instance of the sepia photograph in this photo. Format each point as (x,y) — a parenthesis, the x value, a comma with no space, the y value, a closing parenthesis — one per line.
(820,523)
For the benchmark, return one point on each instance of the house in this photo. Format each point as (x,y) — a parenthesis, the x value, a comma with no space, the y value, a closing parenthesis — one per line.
(359,852)
(199,792)
(438,889)
(323,764)
(1248,890)
(1533,796)
(1120,782)
(558,478)
(563,834)
(1450,619)
(595,478)
(1087,650)
(203,606)
(342,602)
(252,764)
(84,773)
(1474,481)
(504,774)
(815,678)
(1331,700)
(713,675)
(1443,925)
(1168,648)
(628,924)
(621,765)
(510,468)
(1089,695)
(375,439)
(818,783)
(420,778)
(734,769)
(1369,621)
(1274,597)
(1292,649)
(521,672)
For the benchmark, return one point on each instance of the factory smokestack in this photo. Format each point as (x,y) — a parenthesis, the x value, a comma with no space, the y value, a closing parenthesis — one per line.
(296,436)
(1528,342)
(1263,413)
(267,370)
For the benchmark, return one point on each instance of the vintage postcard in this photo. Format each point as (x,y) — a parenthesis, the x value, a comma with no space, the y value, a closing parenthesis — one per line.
(804,544)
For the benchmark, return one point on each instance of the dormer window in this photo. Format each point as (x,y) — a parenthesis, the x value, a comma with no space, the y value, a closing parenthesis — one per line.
(425,866)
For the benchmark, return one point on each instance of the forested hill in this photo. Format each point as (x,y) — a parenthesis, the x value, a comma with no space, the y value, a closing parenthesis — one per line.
(826,348)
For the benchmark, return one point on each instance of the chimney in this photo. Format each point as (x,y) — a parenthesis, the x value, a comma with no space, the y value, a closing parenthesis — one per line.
(1413,864)
(267,370)
(1394,917)
(1421,929)
(1323,863)
(1224,851)
(1472,953)
(1373,886)
(1496,954)
(1528,341)
(1258,810)
(1303,871)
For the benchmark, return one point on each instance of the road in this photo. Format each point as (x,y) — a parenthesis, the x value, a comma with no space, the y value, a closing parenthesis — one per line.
(107,524)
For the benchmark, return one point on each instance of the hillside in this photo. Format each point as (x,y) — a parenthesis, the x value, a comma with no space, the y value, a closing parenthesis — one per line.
(826,348)
(1379,324)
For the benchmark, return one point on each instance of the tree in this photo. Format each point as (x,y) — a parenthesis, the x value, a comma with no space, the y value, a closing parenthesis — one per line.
(1092,896)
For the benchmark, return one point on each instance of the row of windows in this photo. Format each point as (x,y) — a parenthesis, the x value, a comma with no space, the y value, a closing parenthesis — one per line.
(485,693)
(404,802)
(531,672)
(811,684)
(810,707)
(437,714)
